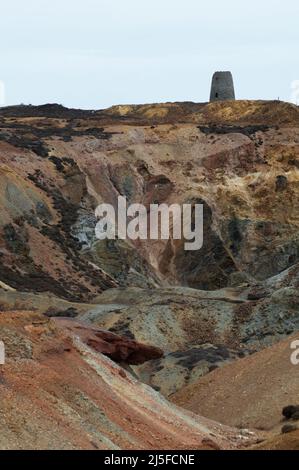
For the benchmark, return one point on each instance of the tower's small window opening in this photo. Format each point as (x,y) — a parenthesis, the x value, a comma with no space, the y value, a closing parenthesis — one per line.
(216,95)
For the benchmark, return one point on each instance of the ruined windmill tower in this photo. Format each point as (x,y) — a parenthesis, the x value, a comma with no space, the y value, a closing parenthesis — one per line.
(222,88)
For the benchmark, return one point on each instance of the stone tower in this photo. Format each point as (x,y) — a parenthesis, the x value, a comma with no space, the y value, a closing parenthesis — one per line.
(222,88)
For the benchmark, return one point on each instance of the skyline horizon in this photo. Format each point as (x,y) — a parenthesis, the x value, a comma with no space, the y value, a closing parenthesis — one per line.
(140,103)
(100,53)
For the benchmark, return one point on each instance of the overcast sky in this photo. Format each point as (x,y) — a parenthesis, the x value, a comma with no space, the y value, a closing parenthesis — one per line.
(96,53)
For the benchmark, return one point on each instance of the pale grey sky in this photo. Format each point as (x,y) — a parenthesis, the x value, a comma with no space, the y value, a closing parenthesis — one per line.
(96,53)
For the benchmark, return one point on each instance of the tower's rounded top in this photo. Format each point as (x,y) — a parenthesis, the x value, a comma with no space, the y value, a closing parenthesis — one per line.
(223,73)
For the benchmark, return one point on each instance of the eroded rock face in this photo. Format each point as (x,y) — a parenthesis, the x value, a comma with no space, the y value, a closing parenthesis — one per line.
(243,167)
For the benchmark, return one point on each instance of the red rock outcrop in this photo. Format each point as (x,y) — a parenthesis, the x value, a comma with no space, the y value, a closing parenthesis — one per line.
(118,348)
